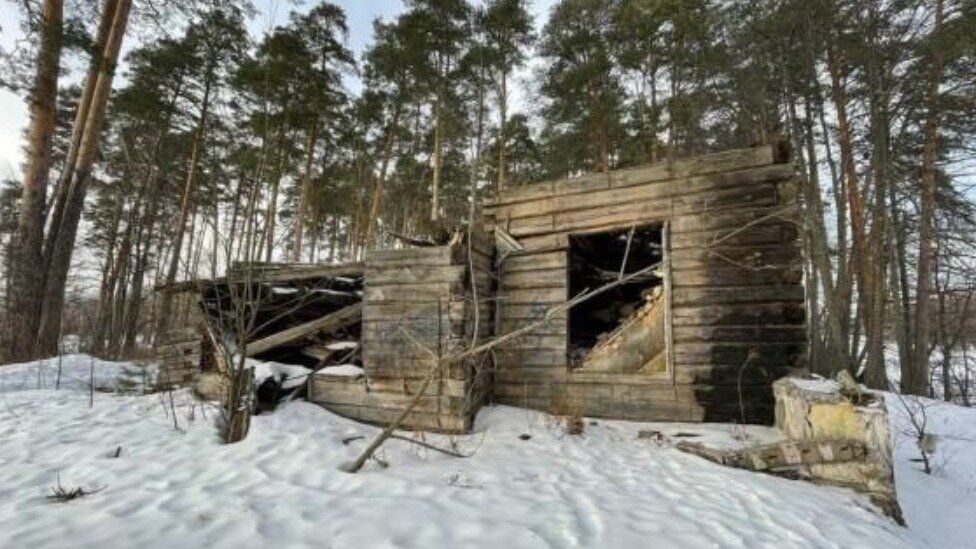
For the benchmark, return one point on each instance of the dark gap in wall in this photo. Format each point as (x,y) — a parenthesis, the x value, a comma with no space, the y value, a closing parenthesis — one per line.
(594,260)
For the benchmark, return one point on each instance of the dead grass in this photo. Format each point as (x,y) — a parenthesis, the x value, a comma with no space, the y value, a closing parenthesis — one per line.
(63,494)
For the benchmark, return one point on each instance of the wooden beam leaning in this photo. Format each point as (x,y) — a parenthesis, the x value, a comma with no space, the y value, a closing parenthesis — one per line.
(333,321)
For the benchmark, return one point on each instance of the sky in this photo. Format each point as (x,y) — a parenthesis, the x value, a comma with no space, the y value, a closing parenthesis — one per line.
(360,16)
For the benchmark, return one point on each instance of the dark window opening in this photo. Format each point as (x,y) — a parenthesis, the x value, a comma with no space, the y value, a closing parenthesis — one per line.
(622,329)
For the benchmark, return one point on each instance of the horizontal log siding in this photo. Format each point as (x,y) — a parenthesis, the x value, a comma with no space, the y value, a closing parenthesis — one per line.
(426,291)
(736,286)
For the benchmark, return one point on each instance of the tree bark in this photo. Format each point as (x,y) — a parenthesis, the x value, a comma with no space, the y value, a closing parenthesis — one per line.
(503,119)
(377,198)
(914,375)
(63,229)
(305,192)
(435,199)
(166,302)
(23,311)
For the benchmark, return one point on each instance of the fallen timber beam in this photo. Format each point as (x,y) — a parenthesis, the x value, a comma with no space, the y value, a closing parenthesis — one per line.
(267,273)
(781,456)
(350,314)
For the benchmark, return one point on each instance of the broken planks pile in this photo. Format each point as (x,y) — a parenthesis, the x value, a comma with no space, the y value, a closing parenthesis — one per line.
(302,314)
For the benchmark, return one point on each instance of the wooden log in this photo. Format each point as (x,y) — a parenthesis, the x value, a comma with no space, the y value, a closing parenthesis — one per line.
(346,316)
(536,262)
(759,334)
(736,294)
(394,275)
(548,278)
(652,192)
(725,274)
(700,165)
(410,385)
(413,255)
(529,296)
(757,235)
(413,292)
(774,313)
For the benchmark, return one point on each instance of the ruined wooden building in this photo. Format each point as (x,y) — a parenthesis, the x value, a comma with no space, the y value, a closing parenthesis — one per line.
(716,315)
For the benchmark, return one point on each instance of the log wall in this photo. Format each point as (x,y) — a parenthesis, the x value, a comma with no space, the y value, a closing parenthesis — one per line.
(426,292)
(733,286)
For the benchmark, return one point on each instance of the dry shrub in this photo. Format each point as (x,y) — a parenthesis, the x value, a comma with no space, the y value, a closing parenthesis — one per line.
(575,425)
(62,494)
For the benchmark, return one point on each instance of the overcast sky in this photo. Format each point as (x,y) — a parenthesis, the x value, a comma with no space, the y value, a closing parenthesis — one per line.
(360,15)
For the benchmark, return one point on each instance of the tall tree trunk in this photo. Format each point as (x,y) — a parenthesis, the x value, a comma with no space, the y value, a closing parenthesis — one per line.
(60,243)
(377,199)
(855,199)
(84,105)
(435,198)
(271,213)
(502,121)
(876,375)
(97,344)
(166,301)
(23,311)
(914,375)
(301,212)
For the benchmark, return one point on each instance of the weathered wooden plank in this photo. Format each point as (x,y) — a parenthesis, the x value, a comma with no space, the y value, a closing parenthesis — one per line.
(682,168)
(756,235)
(415,420)
(735,294)
(535,262)
(326,392)
(645,213)
(530,296)
(442,254)
(377,275)
(741,313)
(769,353)
(740,257)
(730,374)
(554,326)
(417,292)
(531,311)
(758,334)
(407,366)
(652,192)
(556,374)
(395,310)
(410,386)
(733,218)
(550,278)
(531,357)
(555,341)
(339,319)
(285,272)
(723,274)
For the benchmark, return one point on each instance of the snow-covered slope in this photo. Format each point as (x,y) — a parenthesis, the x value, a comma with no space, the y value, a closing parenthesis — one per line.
(281,487)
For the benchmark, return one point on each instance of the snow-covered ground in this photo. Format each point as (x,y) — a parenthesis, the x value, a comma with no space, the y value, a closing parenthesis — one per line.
(281,487)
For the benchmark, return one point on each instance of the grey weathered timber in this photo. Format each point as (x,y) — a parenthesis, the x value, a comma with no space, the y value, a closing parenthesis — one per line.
(426,294)
(733,286)
(339,319)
